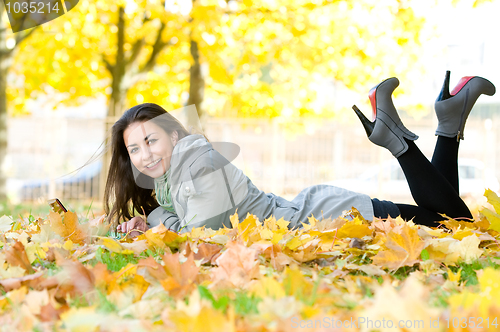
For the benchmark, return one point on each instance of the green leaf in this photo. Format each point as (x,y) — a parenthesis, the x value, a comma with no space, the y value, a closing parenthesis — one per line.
(424,255)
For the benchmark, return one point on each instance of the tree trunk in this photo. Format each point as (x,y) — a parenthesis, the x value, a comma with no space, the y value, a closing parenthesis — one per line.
(196,84)
(3,128)
(117,101)
(4,65)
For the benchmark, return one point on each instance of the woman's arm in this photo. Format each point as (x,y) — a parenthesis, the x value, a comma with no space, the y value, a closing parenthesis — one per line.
(215,190)
(162,216)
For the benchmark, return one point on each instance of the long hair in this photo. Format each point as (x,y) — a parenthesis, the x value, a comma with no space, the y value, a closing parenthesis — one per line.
(121,188)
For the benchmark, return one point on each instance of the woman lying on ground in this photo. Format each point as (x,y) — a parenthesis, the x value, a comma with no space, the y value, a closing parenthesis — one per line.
(179,179)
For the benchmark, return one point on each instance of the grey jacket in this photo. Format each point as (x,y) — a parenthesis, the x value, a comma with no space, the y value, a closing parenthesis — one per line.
(207,189)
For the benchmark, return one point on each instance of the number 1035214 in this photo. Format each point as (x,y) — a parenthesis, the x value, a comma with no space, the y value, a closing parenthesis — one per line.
(472,322)
(32,7)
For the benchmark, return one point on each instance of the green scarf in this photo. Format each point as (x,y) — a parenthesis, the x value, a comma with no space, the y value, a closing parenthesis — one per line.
(162,190)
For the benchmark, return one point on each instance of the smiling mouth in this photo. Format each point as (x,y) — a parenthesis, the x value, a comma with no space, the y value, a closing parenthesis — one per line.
(153,163)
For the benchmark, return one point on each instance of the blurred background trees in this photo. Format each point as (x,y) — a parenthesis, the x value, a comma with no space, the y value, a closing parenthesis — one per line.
(236,58)
(9,48)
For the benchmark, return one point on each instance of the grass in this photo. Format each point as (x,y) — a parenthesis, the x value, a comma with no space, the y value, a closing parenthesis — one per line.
(84,208)
(468,270)
(114,261)
(242,302)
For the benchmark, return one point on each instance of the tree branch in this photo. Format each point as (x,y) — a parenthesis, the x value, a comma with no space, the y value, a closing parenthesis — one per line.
(136,50)
(20,38)
(157,48)
(109,67)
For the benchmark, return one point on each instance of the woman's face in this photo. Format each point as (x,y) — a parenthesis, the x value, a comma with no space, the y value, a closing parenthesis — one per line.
(149,147)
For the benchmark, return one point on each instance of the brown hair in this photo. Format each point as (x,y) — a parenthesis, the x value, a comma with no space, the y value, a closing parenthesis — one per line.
(121,187)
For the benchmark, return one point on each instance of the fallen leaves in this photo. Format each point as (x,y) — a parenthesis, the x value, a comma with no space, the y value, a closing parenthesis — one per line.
(493,217)
(402,248)
(16,256)
(180,278)
(66,225)
(259,275)
(236,266)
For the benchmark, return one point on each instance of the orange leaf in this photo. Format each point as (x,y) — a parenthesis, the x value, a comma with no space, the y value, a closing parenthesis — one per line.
(82,279)
(16,256)
(354,228)
(237,265)
(181,277)
(206,252)
(67,226)
(155,269)
(403,249)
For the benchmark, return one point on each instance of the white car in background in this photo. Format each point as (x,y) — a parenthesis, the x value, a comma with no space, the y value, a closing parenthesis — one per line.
(387,181)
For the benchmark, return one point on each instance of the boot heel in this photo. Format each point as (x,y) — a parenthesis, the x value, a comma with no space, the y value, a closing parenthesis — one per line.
(445,90)
(367,124)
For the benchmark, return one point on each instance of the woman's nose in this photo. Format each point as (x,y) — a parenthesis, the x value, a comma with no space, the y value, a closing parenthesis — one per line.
(146,153)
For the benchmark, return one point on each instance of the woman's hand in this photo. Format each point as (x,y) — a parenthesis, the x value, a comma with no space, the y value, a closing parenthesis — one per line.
(129,226)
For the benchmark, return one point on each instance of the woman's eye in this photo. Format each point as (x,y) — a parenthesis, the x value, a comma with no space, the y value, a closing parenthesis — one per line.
(152,140)
(133,150)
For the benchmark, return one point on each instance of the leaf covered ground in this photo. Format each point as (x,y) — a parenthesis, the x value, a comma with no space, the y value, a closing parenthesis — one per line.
(59,273)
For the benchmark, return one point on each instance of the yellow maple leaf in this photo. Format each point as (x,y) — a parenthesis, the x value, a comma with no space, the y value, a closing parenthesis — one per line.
(440,250)
(266,234)
(461,233)
(234,219)
(295,283)
(35,250)
(282,224)
(270,223)
(409,303)
(354,228)
(403,249)
(468,248)
(493,199)
(114,246)
(493,218)
(199,316)
(297,241)
(454,277)
(159,237)
(450,251)
(311,224)
(248,226)
(67,226)
(268,286)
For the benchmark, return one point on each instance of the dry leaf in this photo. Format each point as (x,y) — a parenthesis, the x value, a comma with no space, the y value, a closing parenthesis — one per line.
(206,252)
(16,256)
(67,226)
(181,277)
(5,223)
(237,265)
(401,249)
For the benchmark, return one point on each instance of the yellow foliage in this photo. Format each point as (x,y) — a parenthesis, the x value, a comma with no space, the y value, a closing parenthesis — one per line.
(401,249)
(354,228)
(253,276)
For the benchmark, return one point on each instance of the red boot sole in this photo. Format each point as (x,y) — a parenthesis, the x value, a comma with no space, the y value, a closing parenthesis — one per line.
(373,101)
(461,84)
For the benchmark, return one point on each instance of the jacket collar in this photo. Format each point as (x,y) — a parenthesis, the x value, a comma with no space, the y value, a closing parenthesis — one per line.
(184,154)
